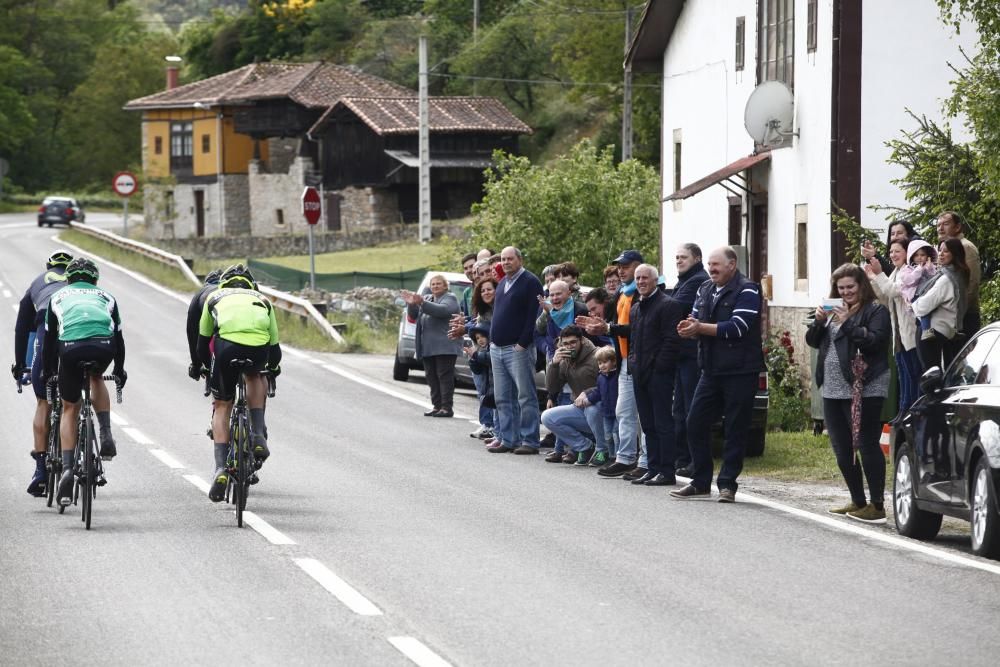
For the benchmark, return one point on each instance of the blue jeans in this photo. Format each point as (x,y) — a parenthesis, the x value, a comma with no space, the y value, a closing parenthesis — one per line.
(517,401)
(569,423)
(732,397)
(485,413)
(561,399)
(908,365)
(605,430)
(654,398)
(628,417)
(684,386)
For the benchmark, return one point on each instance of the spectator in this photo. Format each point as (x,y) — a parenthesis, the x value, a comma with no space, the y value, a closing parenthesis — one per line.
(903,322)
(603,425)
(482,269)
(512,354)
(725,320)
(652,360)
(600,305)
(900,230)
(484,292)
(468,265)
(943,299)
(574,365)
(548,275)
(950,225)
(611,280)
(626,460)
(921,258)
(569,274)
(485,254)
(691,275)
(482,376)
(858,327)
(432,345)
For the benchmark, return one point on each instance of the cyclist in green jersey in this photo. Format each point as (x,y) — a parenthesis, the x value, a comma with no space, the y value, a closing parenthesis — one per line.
(243,324)
(82,324)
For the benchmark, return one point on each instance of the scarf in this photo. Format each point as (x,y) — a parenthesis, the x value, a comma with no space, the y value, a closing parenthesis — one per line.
(563,317)
(628,289)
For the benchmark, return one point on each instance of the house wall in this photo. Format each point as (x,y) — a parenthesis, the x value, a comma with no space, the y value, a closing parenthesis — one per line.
(154,126)
(276,199)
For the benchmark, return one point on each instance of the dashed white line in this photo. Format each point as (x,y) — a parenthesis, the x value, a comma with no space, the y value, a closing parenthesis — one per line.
(382,388)
(340,589)
(266,530)
(7,294)
(201,484)
(417,652)
(117,419)
(166,459)
(15,307)
(138,436)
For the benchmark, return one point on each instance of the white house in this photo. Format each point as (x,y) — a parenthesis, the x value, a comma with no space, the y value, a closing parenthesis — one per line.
(853,71)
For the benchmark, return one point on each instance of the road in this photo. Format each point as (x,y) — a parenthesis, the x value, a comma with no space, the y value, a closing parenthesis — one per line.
(389,539)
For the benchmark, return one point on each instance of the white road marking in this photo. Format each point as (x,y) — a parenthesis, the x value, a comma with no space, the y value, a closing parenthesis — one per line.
(138,436)
(202,485)
(382,388)
(117,419)
(340,589)
(7,294)
(15,307)
(417,652)
(1,283)
(318,362)
(166,459)
(296,353)
(269,532)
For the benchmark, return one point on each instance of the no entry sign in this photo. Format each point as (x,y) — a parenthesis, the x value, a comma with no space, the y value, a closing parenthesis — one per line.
(311,208)
(124,184)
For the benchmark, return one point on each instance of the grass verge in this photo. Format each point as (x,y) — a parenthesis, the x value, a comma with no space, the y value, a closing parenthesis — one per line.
(380,259)
(163,274)
(798,457)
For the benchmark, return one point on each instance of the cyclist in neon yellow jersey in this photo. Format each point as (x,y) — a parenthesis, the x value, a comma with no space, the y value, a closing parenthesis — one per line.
(82,324)
(244,326)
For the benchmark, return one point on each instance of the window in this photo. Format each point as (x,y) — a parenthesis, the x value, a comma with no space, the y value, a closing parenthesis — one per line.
(279,217)
(158,145)
(677,164)
(741,42)
(968,367)
(811,12)
(775,41)
(801,247)
(181,145)
(206,144)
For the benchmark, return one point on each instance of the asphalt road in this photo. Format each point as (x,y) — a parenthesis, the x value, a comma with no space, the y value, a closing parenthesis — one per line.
(381,525)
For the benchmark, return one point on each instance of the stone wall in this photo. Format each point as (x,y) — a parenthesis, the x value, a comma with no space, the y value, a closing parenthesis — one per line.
(237,193)
(276,199)
(364,209)
(298,244)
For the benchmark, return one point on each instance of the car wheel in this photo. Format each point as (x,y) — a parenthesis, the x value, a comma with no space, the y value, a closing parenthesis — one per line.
(755,442)
(911,521)
(983,515)
(49,224)
(400,371)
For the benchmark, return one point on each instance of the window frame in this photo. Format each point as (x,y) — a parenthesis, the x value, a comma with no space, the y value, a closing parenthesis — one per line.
(812,19)
(741,43)
(181,145)
(776,41)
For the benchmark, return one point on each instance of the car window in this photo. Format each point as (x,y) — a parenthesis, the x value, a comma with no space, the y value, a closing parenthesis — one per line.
(969,366)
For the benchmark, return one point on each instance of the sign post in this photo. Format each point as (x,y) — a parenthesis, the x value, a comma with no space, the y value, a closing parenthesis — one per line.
(311,210)
(124,184)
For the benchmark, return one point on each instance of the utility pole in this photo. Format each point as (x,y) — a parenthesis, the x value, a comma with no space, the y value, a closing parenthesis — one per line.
(424,180)
(627,94)
(475,34)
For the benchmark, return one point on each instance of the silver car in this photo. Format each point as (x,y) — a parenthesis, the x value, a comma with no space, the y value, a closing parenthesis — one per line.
(406,354)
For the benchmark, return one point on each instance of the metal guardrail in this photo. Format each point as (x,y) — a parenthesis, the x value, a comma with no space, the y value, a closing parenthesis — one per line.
(281,300)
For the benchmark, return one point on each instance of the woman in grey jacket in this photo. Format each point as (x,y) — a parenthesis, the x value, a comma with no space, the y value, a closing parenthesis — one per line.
(438,352)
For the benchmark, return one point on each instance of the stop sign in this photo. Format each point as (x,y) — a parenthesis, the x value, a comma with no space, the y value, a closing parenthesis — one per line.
(311,208)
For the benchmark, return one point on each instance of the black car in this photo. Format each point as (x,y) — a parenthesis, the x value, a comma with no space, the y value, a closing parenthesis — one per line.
(946,448)
(62,210)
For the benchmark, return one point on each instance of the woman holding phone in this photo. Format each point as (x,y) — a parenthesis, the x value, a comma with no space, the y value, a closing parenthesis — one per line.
(859,326)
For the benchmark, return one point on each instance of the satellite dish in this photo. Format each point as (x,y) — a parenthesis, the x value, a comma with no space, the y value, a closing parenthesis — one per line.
(770,113)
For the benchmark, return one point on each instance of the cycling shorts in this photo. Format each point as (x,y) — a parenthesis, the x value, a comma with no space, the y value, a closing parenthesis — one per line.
(72,353)
(224,376)
(35,352)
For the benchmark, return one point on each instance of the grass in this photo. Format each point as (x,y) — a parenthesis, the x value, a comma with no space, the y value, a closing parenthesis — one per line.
(380,259)
(164,274)
(798,457)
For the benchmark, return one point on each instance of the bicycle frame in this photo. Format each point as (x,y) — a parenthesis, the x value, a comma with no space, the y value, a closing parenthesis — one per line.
(240,460)
(53,457)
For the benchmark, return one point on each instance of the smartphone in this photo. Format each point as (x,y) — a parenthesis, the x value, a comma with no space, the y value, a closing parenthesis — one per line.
(830,304)
(466,342)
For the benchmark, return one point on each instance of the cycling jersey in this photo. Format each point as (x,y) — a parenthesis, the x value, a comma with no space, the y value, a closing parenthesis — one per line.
(31,320)
(195,308)
(242,316)
(82,310)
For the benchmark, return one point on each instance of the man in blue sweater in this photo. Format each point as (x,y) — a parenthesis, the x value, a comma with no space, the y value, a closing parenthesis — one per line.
(512,354)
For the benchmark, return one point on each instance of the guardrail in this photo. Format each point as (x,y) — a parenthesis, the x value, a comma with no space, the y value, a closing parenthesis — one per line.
(281,300)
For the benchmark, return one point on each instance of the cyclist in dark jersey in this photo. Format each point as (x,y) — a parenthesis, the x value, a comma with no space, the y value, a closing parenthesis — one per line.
(195,308)
(27,349)
(82,324)
(243,324)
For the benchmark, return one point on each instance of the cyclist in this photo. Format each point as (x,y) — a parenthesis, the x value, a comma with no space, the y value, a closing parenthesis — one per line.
(243,324)
(196,370)
(31,320)
(82,324)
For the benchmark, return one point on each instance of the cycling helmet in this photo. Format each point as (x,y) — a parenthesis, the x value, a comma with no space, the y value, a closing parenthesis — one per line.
(82,269)
(237,275)
(58,258)
(213,277)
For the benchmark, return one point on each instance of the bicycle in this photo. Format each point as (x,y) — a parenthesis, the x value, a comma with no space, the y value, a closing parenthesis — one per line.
(88,471)
(53,450)
(241,463)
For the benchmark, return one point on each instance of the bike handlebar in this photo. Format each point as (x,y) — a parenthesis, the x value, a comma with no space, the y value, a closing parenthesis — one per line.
(118,386)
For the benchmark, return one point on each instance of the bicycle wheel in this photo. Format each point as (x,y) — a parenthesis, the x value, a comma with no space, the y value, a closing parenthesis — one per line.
(88,481)
(53,454)
(240,486)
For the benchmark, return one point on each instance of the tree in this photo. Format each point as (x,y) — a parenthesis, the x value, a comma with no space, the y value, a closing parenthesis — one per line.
(581,207)
(16,120)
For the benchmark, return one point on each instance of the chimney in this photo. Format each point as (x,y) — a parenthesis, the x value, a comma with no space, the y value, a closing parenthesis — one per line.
(171,77)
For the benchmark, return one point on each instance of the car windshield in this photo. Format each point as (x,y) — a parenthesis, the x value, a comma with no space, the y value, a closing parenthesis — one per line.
(58,200)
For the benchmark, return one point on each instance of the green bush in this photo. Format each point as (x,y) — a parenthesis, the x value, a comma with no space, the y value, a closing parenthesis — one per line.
(788,408)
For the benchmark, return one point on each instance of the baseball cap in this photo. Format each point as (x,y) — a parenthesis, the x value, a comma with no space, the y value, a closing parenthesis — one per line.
(627,257)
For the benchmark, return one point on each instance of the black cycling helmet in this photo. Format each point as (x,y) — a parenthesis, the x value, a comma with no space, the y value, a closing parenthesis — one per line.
(58,258)
(213,277)
(237,275)
(82,269)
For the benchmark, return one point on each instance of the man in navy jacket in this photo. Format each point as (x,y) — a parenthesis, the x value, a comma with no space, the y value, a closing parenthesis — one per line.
(512,353)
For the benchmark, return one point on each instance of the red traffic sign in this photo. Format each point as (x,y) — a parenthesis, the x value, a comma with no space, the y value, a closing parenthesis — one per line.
(124,184)
(311,208)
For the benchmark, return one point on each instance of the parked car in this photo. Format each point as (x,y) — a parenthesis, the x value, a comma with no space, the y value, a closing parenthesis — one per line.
(946,448)
(758,422)
(60,209)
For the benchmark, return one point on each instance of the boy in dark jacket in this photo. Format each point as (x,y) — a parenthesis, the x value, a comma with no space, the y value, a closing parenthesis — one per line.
(604,424)
(480,364)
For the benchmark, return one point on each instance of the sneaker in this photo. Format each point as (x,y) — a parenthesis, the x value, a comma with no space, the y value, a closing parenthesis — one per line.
(690,491)
(218,489)
(525,449)
(685,471)
(548,441)
(260,450)
(487,433)
(598,460)
(108,449)
(499,448)
(583,458)
(478,433)
(569,457)
(869,514)
(850,507)
(554,457)
(64,496)
(615,469)
(37,487)
(635,473)
(727,495)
